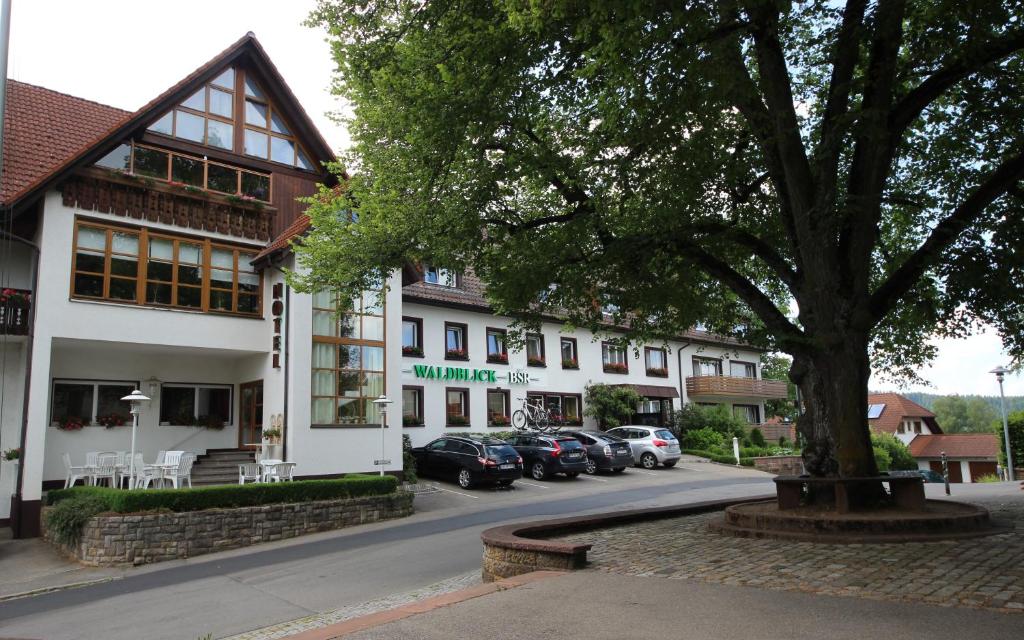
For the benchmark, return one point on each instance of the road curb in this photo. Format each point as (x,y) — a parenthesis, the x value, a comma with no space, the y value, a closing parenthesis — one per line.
(61,587)
(346,627)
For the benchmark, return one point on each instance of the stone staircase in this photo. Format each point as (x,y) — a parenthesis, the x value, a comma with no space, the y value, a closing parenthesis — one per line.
(219,466)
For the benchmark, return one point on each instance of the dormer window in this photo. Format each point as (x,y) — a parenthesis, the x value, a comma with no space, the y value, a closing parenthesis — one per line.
(440,277)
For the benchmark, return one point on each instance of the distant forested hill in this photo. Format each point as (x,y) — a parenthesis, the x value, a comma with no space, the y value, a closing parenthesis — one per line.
(965,414)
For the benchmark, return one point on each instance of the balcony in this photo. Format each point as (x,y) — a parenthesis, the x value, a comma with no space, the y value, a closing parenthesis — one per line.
(15,309)
(735,386)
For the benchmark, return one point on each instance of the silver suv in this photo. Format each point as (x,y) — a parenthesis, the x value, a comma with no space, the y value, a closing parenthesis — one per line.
(651,445)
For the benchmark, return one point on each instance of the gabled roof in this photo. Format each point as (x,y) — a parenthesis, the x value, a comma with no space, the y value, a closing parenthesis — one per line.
(897,408)
(283,241)
(958,445)
(43,129)
(247,49)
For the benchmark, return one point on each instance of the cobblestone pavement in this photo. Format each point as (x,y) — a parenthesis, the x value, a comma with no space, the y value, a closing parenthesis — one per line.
(319,620)
(981,572)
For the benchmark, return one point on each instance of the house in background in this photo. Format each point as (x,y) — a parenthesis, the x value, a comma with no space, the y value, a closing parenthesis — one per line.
(894,414)
(969,455)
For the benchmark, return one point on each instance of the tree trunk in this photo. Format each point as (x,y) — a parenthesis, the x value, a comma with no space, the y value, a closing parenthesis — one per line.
(833,384)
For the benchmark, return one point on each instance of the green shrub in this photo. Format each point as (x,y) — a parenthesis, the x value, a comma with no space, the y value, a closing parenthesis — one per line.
(66,520)
(757,438)
(898,454)
(882,459)
(611,406)
(228,496)
(784,443)
(720,457)
(703,438)
(719,418)
(991,477)
(408,461)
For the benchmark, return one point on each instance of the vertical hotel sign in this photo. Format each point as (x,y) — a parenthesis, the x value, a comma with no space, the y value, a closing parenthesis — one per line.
(277,311)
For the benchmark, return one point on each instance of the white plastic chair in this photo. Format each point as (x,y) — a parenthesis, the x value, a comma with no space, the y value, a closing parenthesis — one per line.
(282,472)
(73,473)
(183,472)
(148,474)
(249,471)
(105,469)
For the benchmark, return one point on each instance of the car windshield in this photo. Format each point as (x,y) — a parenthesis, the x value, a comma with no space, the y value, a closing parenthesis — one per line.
(500,450)
(664,433)
(611,437)
(569,443)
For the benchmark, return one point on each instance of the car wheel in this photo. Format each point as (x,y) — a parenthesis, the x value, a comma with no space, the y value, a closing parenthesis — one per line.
(465,478)
(618,469)
(504,483)
(591,466)
(572,474)
(537,471)
(670,464)
(648,461)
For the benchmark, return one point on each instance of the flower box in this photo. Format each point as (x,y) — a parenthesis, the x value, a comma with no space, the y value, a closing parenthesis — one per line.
(499,421)
(456,354)
(415,352)
(570,364)
(411,421)
(659,372)
(615,367)
(534,361)
(497,358)
(457,421)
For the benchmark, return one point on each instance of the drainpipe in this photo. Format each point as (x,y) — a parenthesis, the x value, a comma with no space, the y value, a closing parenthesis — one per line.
(682,388)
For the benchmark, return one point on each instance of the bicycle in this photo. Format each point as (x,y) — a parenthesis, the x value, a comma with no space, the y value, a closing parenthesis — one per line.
(532,416)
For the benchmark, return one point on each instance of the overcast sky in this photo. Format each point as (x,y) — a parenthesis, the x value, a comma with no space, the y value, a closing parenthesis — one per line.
(125,53)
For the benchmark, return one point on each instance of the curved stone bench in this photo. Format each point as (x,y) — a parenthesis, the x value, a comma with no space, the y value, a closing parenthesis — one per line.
(519,548)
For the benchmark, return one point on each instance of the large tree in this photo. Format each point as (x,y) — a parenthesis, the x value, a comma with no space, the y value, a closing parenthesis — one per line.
(682,161)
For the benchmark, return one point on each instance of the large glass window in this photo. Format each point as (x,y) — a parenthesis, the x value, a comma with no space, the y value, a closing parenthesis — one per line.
(348,359)
(267,136)
(498,414)
(497,351)
(90,402)
(455,341)
(613,357)
(412,337)
(443,277)
(201,405)
(656,361)
(707,367)
(750,413)
(177,272)
(206,116)
(742,369)
(570,357)
(535,350)
(412,406)
(457,407)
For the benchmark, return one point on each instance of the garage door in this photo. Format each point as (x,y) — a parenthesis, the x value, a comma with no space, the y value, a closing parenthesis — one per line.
(955,475)
(980,468)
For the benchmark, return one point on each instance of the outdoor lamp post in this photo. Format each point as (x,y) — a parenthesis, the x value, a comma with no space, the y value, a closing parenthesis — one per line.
(382,405)
(136,399)
(1000,372)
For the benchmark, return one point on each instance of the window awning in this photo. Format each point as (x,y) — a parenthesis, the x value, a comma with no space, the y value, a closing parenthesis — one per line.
(652,390)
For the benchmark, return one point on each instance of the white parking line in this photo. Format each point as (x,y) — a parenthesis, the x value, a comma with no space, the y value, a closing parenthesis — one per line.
(592,478)
(646,473)
(530,484)
(459,493)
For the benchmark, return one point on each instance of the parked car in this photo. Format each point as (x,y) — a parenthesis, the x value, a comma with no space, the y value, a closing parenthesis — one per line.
(471,461)
(927,474)
(545,454)
(651,445)
(605,452)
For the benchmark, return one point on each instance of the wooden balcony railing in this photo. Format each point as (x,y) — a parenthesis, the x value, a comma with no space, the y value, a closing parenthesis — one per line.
(735,386)
(15,309)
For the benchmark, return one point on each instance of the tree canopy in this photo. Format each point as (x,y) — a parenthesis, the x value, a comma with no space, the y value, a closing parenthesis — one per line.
(675,162)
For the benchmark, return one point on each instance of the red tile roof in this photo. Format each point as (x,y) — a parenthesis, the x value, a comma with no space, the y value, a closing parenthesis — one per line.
(43,129)
(283,241)
(958,445)
(898,408)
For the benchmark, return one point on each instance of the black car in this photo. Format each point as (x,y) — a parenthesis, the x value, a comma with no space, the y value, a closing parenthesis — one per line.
(605,452)
(471,461)
(544,454)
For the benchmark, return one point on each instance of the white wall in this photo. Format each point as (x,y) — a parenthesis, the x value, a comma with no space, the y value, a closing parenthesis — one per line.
(549,379)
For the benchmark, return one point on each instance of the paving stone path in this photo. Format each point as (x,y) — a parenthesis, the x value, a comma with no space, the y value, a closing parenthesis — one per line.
(981,572)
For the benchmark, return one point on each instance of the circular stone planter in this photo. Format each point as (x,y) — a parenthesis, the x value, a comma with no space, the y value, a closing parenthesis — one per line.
(939,520)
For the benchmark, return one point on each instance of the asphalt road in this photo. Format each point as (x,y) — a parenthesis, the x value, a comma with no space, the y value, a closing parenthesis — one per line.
(246,589)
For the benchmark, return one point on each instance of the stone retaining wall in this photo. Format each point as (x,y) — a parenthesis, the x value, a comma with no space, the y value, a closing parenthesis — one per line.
(780,465)
(154,537)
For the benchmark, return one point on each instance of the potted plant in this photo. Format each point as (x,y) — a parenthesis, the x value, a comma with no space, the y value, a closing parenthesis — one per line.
(212,421)
(498,420)
(570,363)
(15,298)
(415,352)
(616,367)
(272,435)
(112,420)
(457,421)
(184,420)
(456,354)
(71,423)
(660,372)
(12,455)
(411,421)
(535,361)
(497,358)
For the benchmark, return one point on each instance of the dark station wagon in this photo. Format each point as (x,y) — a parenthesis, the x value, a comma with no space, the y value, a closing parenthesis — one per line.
(470,461)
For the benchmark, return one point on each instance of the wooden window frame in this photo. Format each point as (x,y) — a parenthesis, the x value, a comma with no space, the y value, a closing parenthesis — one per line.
(347,341)
(419,405)
(534,362)
(241,98)
(756,408)
(142,270)
(449,354)
(654,372)
(611,367)
(508,407)
(575,351)
(206,162)
(562,395)
(406,351)
(745,363)
(496,358)
(465,406)
(698,359)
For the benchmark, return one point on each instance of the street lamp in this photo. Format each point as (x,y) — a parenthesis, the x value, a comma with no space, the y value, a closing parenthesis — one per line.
(136,399)
(1000,372)
(382,405)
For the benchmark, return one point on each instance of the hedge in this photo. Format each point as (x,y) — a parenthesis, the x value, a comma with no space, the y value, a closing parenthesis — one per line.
(716,457)
(228,496)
